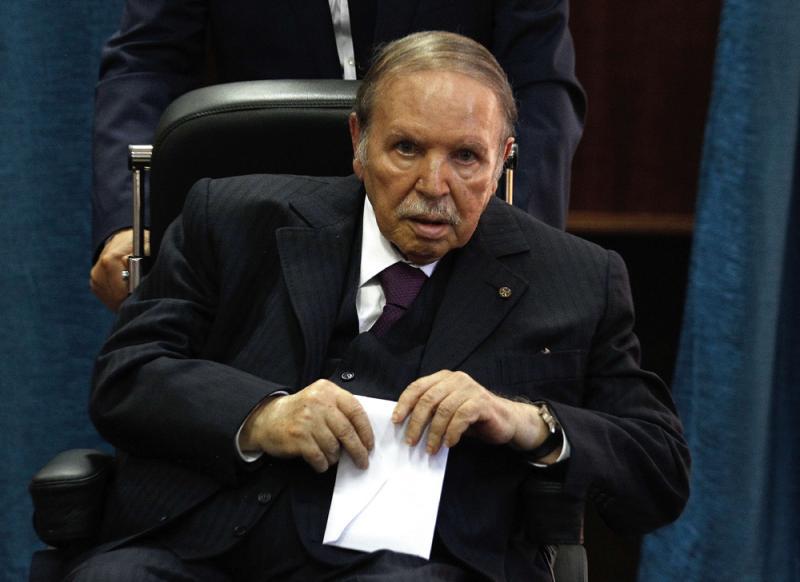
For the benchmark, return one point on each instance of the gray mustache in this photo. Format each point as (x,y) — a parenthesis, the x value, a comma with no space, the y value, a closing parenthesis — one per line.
(441,210)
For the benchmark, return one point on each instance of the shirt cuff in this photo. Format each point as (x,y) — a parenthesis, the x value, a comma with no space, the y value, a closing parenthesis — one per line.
(563,456)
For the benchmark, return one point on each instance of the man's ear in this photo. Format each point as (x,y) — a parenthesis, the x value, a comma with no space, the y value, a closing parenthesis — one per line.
(355,139)
(507,148)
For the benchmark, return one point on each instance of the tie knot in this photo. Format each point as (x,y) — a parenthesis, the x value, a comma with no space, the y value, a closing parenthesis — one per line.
(401,283)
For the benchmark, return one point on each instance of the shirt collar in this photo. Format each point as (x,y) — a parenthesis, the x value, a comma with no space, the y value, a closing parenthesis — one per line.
(377,252)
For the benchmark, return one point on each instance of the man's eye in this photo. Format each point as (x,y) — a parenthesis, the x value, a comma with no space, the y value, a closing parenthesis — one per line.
(466,156)
(405,147)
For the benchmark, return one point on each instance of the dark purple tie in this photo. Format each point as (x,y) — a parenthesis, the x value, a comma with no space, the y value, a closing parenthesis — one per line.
(401,284)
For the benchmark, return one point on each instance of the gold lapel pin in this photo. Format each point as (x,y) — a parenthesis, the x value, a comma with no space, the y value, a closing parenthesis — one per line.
(504,292)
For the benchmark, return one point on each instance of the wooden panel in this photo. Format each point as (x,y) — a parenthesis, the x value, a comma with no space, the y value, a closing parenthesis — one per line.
(646,67)
(585,222)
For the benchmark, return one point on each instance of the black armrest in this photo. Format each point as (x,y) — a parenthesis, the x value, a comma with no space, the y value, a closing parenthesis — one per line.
(68,496)
(554,518)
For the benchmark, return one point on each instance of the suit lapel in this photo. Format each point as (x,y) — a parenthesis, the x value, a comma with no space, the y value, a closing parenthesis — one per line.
(481,291)
(314,261)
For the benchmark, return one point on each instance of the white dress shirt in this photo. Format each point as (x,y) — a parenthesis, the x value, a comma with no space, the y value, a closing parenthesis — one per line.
(377,254)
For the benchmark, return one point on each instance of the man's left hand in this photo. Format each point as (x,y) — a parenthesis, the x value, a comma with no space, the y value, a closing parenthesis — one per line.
(454,404)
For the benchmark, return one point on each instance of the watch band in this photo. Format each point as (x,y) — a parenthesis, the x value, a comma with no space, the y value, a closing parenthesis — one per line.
(555,437)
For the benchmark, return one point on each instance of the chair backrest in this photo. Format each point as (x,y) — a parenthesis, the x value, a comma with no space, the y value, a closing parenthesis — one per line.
(286,127)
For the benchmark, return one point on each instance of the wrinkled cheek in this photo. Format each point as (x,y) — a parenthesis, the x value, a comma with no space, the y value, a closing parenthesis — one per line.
(463,233)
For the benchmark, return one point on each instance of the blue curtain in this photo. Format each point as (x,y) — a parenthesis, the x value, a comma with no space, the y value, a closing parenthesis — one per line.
(51,325)
(738,375)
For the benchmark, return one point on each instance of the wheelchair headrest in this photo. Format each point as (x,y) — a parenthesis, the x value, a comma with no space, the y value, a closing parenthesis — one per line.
(276,127)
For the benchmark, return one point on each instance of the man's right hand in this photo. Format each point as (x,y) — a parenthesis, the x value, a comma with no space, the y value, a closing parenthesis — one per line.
(315,424)
(105,278)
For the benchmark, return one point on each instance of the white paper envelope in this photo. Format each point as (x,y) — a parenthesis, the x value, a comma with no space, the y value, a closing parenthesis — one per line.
(393,504)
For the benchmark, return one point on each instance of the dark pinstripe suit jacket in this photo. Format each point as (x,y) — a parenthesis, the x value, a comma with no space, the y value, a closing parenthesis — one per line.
(242,302)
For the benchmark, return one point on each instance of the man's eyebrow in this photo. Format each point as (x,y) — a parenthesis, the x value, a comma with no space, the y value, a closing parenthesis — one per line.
(395,132)
(475,144)
(478,146)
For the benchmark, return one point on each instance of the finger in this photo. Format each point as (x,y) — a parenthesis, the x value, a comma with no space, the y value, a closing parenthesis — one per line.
(94,280)
(465,417)
(106,279)
(121,242)
(349,438)
(446,413)
(327,442)
(102,286)
(424,410)
(114,290)
(355,413)
(314,456)
(410,396)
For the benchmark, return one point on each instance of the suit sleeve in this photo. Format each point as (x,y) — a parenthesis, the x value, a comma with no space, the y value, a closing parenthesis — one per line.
(153,394)
(532,42)
(157,54)
(628,452)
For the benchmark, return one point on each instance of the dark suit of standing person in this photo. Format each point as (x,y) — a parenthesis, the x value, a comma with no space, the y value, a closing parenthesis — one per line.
(165,48)
(228,383)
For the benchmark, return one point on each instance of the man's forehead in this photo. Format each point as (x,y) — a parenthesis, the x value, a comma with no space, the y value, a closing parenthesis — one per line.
(431,100)
(433,80)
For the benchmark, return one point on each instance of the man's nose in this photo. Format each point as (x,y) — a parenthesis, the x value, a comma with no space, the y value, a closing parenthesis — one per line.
(433,180)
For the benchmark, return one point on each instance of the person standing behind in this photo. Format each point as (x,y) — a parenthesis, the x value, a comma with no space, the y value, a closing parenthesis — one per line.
(165,48)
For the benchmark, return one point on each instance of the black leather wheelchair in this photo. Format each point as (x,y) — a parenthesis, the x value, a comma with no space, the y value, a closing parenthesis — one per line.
(288,127)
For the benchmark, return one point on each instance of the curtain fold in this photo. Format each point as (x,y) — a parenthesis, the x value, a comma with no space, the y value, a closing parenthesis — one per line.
(52,326)
(738,373)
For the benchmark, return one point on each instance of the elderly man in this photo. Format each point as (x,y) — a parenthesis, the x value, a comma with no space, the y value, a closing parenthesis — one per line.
(230,380)
(164,48)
